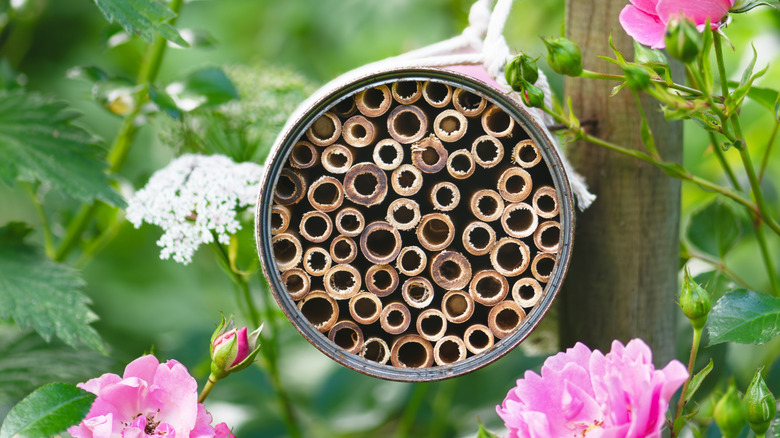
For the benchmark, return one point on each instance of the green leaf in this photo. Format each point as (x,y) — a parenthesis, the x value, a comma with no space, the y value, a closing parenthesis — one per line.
(714,228)
(38,141)
(766,97)
(164,102)
(484,433)
(734,100)
(744,316)
(695,382)
(206,87)
(707,120)
(39,293)
(142,17)
(48,411)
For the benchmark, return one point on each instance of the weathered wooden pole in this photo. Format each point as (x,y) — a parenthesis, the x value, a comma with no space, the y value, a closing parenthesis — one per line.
(622,280)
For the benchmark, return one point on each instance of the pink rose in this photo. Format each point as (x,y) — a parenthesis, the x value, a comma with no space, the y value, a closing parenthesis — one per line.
(584,393)
(645,20)
(232,349)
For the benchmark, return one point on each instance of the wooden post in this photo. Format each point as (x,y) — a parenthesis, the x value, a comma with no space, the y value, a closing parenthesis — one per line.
(622,280)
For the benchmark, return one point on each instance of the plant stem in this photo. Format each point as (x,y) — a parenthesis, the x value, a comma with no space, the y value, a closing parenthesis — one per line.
(765,159)
(412,408)
(47,237)
(691,362)
(723,163)
(613,77)
(206,389)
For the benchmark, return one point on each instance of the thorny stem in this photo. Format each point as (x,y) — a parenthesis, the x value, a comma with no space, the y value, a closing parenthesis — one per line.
(717,264)
(613,77)
(691,362)
(723,163)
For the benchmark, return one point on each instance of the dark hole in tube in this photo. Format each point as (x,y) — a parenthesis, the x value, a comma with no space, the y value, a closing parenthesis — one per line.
(515,184)
(479,339)
(479,238)
(407,124)
(286,187)
(527,292)
(365,184)
(350,222)
(302,154)
(551,236)
(431,325)
(487,205)
(418,292)
(507,319)
(444,196)
(365,307)
(437,92)
(436,231)
(450,124)
(488,287)
(406,89)
(337,159)
(545,266)
(456,305)
(345,106)
(546,203)
(509,256)
(294,283)
(487,151)
(450,270)
(323,128)
(407,179)
(374,351)
(468,100)
(317,310)
(498,121)
(284,250)
(382,280)
(373,98)
(342,249)
(412,354)
(411,260)
(461,163)
(388,154)
(342,280)
(315,226)
(449,351)
(346,338)
(276,221)
(430,156)
(519,219)
(358,131)
(527,153)
(395,318)
(326,194)
(317,261)
(381,243)
(403,214)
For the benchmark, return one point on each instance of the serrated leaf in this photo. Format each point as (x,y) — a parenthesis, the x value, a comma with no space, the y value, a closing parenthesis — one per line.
(39,293)
(744,316)
(714,228)
(695,382)
(49,410)
(38,141)
(142,17)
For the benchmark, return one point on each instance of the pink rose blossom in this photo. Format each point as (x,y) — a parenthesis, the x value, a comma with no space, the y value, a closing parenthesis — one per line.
(646,20)
(584,393)
(150,400)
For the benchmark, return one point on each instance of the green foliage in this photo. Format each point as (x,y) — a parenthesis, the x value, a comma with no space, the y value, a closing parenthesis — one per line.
(484,433)
(696,382)
(715,228)
(744,316)
(142,17)
(47,411)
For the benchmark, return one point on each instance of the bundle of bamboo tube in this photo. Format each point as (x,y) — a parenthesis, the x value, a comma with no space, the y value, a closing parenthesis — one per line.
(415,224)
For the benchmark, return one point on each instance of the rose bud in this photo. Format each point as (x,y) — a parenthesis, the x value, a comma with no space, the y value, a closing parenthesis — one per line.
(761,405)
(232,349)
(564,56)
(694,302)
(683,40)
(730,414)
(637,77)
(533,96)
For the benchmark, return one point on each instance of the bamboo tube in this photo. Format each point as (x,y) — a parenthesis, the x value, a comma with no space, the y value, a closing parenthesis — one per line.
(395,318)
(304,155)
(546,202)
(457,306)
(358,131)
(297,282)
(450,270)
(510,257)
(375,101)
(487,151)
(380,243)
(526,154)
(411,261)
(437,94)
(460,164)
(325,130)
(280,219)
(417,292)
(365,308)
(547,237)
(347,335)
(326,194)
(411,351)
(343,249)
(287,250)
(342,281)
(407,124)
(478,338)
(337,159)
(488,287)
(403,214)
(381,280)
(320,310)
(406,180)
(519,220)
(448,350)
(445,196)
(350,221)
(429,155)
(468,103)
(290,188)
(376,350)
(315,226)
(388,154)
(316,261)
(496,122)
(365,184)
(478,238)
(435,232)
(345,107)
(486,205)
(515,184)
(505,318)
(407,92)
(526,292)
(542,266)
(431,324)
(450,125)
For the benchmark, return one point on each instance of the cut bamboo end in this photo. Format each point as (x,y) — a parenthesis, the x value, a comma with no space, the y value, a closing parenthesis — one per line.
(365,308)
(460,164)
(297,283)
(380,243)
(365,184)
(406,180)
(315,226)
(395,318)
(478,238)
(337,159)
(407,92)
(478,338)
(435,231)
(429,155)
(403,214)
(316,261)
(290,188)
(519,220)
(504,318)
(468,103)
(388,154)
(411,351)
(431,325)
(546,202)
(444,196)
(417,292)
(376,350)
(515,184)
(526,154)
(486,205)
(326,194)
(450,125)
(450,270)
(488,288)
(457,306)
(358,131)
(304,155)
(375,101)
(526,292)
(487,151)
(343,249)
(382,280)
(437,94)
(320,310)
(345,107)
(542,266)
(411,261)
(325,130)
(342,281)
(287,250)
(350,222)
(347,335)
(280,219)
(407,124)
(497,122)
(448,350)
(510,257)
(547,237)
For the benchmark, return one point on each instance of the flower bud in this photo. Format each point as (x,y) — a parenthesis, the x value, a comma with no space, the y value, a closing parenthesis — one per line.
(683,40)
(637,78)
(232,349)
(730,413)
(564,56)
(533,96)
(695,302)
(761,405)
(521,67)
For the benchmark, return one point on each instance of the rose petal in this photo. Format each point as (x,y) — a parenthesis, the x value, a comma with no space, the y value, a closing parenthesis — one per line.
(646,29)
(647,6)
(696,11)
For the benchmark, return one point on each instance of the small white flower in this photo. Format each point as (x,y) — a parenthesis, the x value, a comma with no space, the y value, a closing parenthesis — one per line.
(194,198)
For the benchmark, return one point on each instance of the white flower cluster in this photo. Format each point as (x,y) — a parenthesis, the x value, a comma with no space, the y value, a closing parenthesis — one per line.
(194,198)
